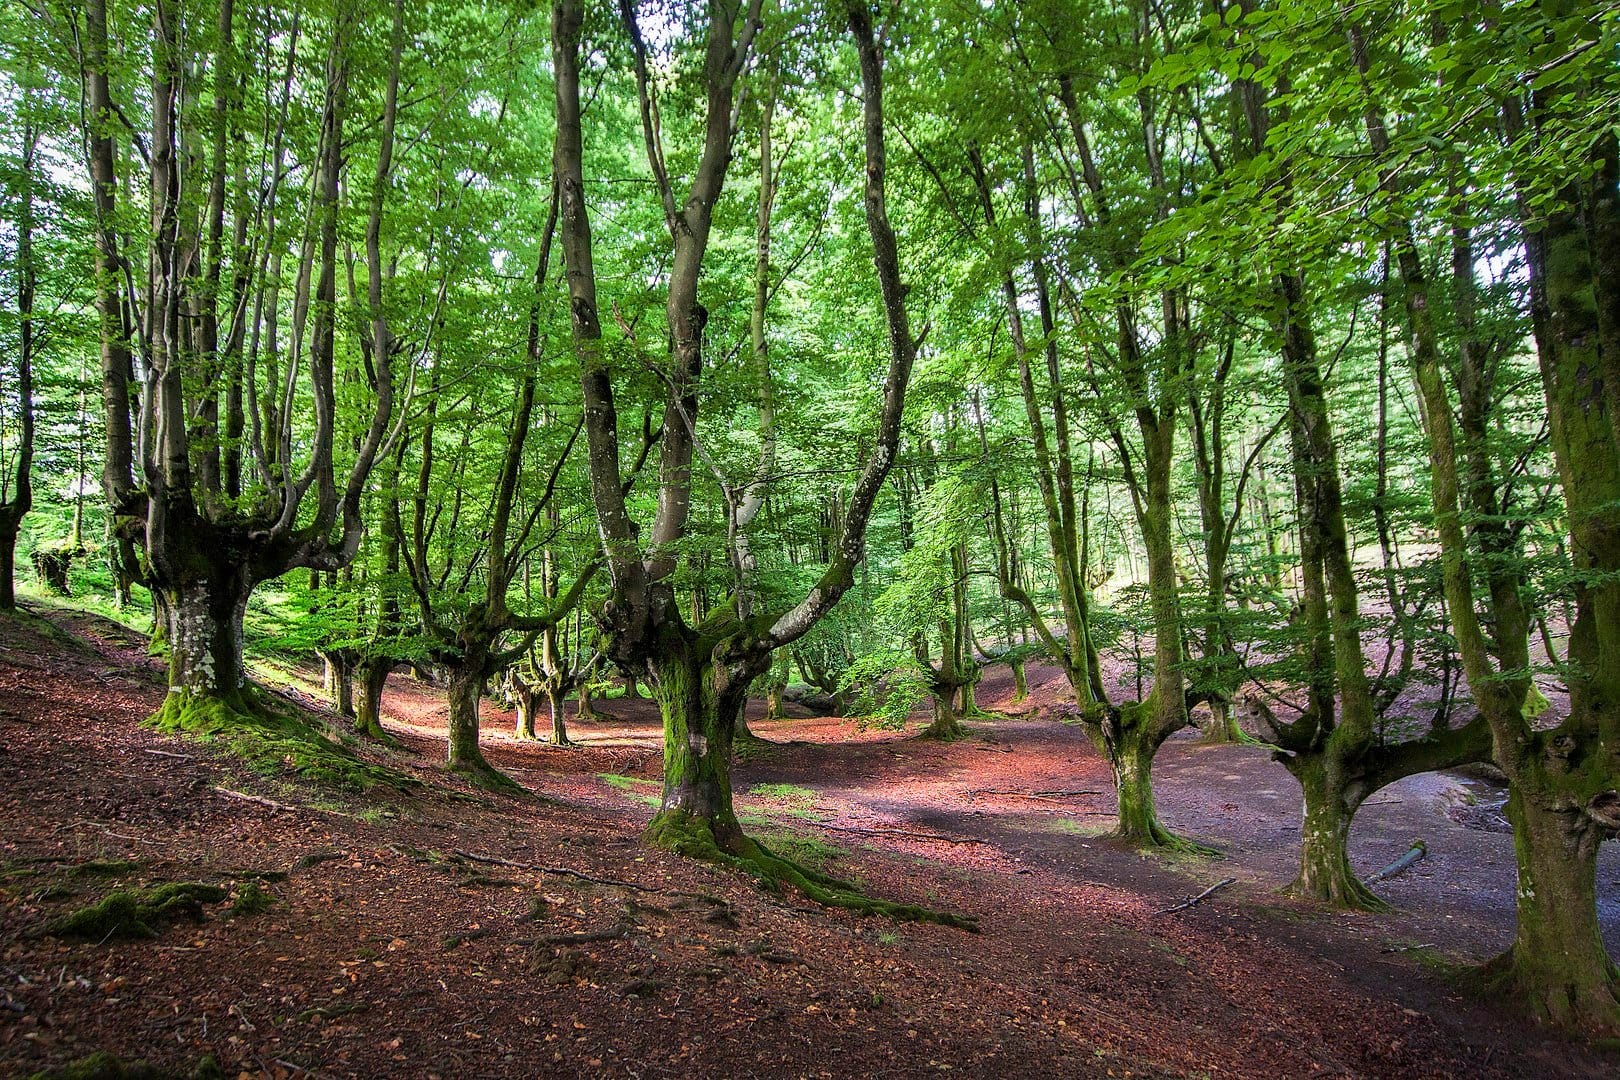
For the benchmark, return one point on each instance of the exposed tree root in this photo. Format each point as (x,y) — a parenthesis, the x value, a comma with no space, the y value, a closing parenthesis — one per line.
(694,838)
(486,777)
(1342,891)
(269,738)
(1153,836)
(1569,1003)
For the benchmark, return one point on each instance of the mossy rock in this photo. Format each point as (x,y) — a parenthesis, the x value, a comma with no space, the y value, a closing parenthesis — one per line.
(129,915)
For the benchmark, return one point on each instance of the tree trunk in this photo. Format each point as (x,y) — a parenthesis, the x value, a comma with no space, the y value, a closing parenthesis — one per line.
(524,728)
(466,689)
(203,634)
(8,562)
(970,703)
(1020,684)
(700,704)
(1332,797)
(559,722)
(1132,760)
(946,725)
(585,711)
(1222,728)
(1557,963)
(774,708)
(339,677)
(372,675)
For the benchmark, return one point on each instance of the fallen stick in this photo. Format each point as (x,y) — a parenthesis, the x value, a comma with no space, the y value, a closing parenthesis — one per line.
(588,936)
(281,806)
(1055,796)
(1199,899)
(259,799)
(171,753)
(1406,948)
(1400,865)
(907,833)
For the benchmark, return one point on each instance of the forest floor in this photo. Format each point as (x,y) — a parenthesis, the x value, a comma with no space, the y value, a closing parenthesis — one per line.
(444,932)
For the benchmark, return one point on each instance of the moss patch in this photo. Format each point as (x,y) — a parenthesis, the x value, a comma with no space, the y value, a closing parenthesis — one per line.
(133,915)
(637,788)
(252,899)
(271,741)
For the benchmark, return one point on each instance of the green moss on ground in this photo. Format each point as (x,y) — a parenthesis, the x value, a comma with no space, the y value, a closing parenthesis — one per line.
(132,915)
(252,899)
(270,740)
(637,788)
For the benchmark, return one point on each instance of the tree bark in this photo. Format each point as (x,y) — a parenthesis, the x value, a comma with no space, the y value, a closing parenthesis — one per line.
(464,693)
(523,727)
(1557,963)
(559,720)
(371,675)
(1333,794)
(700,702)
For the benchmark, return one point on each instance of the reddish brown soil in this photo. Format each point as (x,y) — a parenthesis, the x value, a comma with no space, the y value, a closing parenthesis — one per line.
(435,968)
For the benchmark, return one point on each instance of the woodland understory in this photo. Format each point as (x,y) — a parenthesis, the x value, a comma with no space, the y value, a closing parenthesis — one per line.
(1253,367)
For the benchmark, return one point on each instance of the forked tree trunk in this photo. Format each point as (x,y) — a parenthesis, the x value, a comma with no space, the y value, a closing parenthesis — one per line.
(1557,964)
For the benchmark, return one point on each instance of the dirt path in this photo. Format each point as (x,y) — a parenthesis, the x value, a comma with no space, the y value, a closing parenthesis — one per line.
(389,951)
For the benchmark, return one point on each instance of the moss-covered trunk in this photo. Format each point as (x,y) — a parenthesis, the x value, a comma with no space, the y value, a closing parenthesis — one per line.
(946,724)
(371,675)
(340,681)
(1132,762)
(1222,728)
(464,692)
(700,705)
(1332,797)
(1020,682)
(1557,963)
